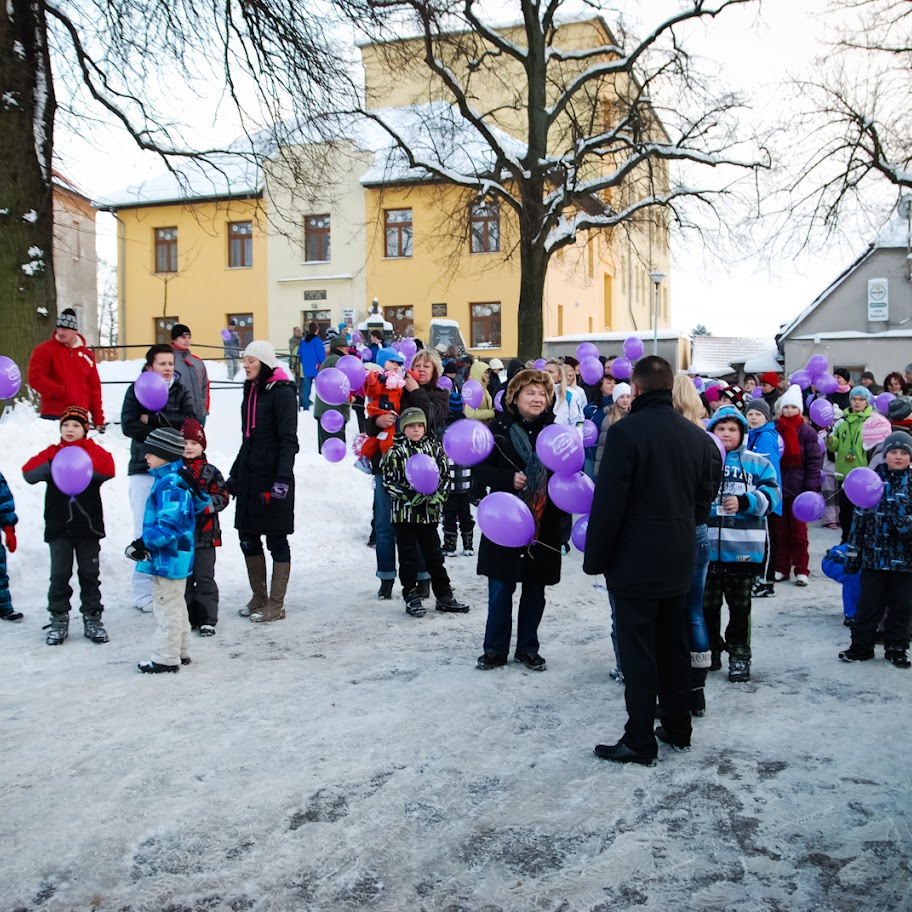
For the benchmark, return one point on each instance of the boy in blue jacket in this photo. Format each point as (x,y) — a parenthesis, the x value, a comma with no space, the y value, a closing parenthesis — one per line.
(165,550)
(737,541)
(763,438)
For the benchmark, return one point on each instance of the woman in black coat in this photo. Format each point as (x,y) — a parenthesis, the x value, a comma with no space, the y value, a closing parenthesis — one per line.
(262,479)
(514,466)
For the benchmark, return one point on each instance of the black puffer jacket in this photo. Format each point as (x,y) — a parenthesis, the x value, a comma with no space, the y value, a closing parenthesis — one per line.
(269,425)
(541,561)
(177,410)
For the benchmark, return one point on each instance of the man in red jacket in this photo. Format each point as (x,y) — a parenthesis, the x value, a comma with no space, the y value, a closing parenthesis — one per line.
(62,371)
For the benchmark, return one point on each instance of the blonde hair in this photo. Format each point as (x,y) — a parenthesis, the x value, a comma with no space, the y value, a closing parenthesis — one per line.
(614,413)
(687,401)
(565,372)
(428,354)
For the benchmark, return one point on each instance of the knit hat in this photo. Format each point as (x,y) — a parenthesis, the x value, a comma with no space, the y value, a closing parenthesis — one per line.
(193,430)
(728,413)
(411,416)
(496,364)
(770,377)
(178,330)
(841,372)
(75,413)
(388,354)
(450,366)
(862,391)
(67,319)
(792,396)
(899,408)
(735,394)
(875,430)
(759,405)
(263,351)
(898,440)
(621,389)
(166,443)
(712,393)
(523,379)
(337,343)
(906,370)
(868,375)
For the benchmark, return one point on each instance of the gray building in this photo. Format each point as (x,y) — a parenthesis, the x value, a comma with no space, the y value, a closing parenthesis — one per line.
(863,320)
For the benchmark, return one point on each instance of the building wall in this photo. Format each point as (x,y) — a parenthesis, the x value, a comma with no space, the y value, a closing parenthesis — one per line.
(204,290)
(75,263)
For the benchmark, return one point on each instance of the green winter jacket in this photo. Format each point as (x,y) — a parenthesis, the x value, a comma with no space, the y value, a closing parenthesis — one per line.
(408,505)
(845,441)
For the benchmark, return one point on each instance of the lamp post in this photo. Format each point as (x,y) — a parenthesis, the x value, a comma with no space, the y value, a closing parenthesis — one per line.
(656,278)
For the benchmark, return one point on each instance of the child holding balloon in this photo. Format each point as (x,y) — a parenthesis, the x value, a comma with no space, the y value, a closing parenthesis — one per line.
(74,469)
(8,520)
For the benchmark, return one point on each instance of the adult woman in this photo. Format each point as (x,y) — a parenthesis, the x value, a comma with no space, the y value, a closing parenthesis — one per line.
(894,383)
(338,348)
(481,373)
(262,479)
(570,400)
(514,466)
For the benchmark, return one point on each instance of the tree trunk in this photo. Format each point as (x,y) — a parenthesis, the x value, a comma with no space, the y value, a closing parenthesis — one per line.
(27,105)
(534,265)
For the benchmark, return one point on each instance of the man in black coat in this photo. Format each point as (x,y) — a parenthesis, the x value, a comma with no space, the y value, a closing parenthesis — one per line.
(656,482)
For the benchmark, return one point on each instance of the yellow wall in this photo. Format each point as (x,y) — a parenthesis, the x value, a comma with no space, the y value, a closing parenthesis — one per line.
(204,289)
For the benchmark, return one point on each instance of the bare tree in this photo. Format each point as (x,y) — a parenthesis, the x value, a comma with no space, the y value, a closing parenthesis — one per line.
(575,139)
(108,317)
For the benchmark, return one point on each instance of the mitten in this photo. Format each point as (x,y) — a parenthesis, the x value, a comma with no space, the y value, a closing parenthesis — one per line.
(137,550)
(192,483)
(10,533)
(101,428)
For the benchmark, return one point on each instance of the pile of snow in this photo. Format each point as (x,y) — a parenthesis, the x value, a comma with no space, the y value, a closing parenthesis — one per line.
(351,757)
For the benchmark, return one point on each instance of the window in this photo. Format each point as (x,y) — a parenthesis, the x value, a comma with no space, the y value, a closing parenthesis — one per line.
(316,238)
(323,319)
(485,228)
(161,327)
(485,325)
(166,250)
(240,245)
(402,319)
(398,227)
(244,327)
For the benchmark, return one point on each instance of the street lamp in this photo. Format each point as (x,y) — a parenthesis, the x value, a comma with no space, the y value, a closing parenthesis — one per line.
(656,278)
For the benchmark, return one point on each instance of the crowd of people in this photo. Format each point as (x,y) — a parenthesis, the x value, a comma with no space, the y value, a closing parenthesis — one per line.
(699,479)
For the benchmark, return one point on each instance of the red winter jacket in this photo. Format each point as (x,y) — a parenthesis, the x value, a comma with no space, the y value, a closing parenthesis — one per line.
(65,376)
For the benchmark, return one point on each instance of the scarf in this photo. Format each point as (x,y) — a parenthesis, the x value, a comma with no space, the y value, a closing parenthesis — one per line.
(535,494)
(788,427)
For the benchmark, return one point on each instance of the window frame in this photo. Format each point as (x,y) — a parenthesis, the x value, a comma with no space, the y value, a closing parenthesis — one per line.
(242,244)
(161,329)
(484,217)
(165,249)
(487,321)
(321,234)
(403,229)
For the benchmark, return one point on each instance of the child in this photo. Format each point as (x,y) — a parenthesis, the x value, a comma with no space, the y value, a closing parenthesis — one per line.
(415,516)
(73,526)
(880,545)
(8,520)
(165,551)
(457,511)
(383,391)
(834,566)
(202,593)
(737,541)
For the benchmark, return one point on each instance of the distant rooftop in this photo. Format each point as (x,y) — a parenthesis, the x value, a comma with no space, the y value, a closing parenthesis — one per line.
(713,353)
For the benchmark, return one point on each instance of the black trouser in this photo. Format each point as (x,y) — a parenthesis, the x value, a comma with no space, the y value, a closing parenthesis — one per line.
(735,588)
(202,592)
(654,641)
(358,407)
(882,589)
(410,537)
(86,552)
(458,507)
(278,546)
(846,511)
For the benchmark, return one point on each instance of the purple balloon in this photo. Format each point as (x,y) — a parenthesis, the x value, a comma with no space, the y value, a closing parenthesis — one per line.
(422,473)
(698,384)
(821,441)
(821,412)
(817,364)
(571,493)
(397,346)
(333,387)
(808,507)
(781,444)
(882,402)
(71,470)
(468,442)
(863,487)
(498,400)
(578,533)
(586,350)
(353,368)
(620,368)
(590,433)
(756,393)
(540,364)
(408,347)
(825,384)
(591,370)
(633,348)
(719,445)
(10,378)
(560,448)
(226,335)
(333,450)
(444,383)
(472,393)
(332,422)
(802,378)
(151,390)
(705,422)
(356,338)
(505,519)
(366,354)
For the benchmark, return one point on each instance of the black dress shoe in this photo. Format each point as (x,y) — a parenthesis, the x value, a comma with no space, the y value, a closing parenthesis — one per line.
(665,738)
(621,753)
(151,667)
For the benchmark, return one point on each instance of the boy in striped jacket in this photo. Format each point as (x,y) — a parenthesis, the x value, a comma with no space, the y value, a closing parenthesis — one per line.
(749,493)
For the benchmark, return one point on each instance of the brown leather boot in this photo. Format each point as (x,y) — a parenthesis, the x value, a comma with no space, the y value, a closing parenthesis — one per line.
(256,573)
(274,610)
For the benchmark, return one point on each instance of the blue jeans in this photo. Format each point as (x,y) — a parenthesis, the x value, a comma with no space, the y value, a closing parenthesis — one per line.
(699,638)
(306,384)
(386,536)
(500,617)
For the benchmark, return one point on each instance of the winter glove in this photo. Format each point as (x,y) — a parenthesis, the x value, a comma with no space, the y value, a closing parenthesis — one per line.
(192,483)
(101,428)
(137,550)
(852,560)
(10,534)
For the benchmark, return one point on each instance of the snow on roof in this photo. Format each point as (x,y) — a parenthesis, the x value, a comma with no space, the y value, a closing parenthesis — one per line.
(894,234)
(855,334)
(766,361)
(722,351)
(644,334)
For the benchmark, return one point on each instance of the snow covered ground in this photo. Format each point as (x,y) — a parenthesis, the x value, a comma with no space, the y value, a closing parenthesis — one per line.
(351,757)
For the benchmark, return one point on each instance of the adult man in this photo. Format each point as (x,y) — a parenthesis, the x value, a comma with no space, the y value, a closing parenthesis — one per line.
(294,341)
(191,371)
(232,349)
(311,353)
(869,382)
(656,481)
(63,372)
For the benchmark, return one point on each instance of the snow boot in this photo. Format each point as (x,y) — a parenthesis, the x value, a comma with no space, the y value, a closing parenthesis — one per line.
(468,546)
(897,655)
(58,629)
(93,628)
(449,544)
(698,691)
(449,603)
(256,573)
(386,589)
(274,610)
(11,615)
(151,667)
(413,604)
(424,588)
(856,654)
(763,590)
(739,669)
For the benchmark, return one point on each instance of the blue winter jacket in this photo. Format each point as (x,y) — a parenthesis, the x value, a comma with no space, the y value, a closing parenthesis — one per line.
(765,441)
(7,506)
(311,353)
(740,538)
(833,566)
(169,523)
(881,536)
